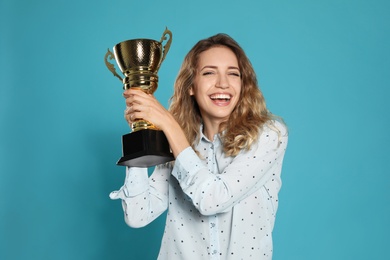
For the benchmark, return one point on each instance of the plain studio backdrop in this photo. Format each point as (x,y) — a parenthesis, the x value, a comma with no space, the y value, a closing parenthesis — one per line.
(324,66)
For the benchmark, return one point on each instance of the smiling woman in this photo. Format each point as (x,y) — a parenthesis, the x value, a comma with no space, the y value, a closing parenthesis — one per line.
(221,192)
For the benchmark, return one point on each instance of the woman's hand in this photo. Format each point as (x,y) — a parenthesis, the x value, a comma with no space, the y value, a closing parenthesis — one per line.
(145,106)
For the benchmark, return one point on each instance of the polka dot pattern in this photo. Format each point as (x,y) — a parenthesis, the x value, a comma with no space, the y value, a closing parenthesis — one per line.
(218,207)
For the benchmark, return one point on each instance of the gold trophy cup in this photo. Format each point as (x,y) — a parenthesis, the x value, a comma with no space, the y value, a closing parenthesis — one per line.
(139,61)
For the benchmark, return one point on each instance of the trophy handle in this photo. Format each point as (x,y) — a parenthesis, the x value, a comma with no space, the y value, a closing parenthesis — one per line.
(110,66)
(167,45)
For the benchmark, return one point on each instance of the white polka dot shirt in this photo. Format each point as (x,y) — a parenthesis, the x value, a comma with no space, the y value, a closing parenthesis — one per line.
(218,207)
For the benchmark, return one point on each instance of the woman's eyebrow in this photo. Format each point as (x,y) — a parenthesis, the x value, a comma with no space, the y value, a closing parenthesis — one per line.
(208,67)
(215,67)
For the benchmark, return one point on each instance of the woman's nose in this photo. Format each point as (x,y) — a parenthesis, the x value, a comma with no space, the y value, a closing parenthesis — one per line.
(222,82)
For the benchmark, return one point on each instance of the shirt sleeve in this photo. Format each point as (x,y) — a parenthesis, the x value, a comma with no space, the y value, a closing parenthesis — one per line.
(143,198)
(213,193)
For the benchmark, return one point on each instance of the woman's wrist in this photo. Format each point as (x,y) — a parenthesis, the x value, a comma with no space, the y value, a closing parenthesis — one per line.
(175,135)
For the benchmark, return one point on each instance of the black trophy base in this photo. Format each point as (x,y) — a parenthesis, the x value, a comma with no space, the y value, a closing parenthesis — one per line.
(145,148)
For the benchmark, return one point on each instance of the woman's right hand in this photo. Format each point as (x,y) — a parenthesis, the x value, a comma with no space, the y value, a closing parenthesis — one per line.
(146,106)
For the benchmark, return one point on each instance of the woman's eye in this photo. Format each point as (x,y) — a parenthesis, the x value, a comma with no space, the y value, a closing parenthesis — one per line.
(237,74)
(207,73)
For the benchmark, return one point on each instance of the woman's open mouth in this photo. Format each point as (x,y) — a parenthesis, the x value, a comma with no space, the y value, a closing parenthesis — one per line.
(220,99)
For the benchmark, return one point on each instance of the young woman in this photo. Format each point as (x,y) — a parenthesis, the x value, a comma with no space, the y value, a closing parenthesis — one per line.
(221,191)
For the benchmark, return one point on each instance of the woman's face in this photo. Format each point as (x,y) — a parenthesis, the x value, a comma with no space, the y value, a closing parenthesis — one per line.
(217,84)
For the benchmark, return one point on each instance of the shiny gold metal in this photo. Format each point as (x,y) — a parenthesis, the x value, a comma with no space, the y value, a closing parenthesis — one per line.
(139,61)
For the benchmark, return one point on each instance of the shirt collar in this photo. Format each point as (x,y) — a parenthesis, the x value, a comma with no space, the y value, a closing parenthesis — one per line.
(217,137)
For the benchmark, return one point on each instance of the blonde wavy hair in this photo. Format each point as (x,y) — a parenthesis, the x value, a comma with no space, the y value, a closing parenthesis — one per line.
(243,127)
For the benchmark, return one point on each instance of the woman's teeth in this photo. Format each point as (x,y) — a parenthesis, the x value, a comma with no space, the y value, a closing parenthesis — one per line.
(220,97)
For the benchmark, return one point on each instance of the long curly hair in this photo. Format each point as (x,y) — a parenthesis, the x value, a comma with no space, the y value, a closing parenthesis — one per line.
(243,127)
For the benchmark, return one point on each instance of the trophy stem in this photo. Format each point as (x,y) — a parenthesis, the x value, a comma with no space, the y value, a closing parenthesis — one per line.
(141,124)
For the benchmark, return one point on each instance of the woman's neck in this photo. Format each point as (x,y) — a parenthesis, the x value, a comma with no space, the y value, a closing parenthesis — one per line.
(210,129)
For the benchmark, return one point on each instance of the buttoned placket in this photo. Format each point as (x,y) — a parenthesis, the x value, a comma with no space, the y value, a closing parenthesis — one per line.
(212,166)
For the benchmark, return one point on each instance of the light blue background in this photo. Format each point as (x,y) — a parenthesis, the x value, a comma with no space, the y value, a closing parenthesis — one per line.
(322,65)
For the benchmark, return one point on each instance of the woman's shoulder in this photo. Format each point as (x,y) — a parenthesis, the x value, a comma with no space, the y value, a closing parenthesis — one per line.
(277,126)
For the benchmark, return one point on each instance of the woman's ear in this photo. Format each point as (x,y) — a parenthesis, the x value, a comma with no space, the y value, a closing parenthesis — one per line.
(191,91)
